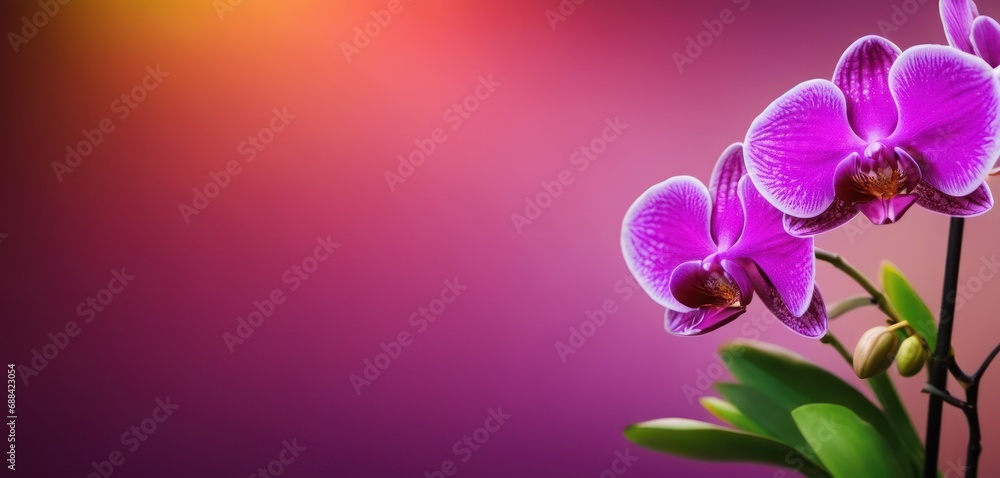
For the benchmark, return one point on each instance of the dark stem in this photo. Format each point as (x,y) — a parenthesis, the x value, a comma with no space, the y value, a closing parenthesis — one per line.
(964,379)
(939,361)
(986,363)
(971,410)
(975,436)
(970,407)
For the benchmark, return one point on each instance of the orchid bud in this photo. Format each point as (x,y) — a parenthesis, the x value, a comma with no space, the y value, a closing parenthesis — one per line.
(911,357)
(875,351)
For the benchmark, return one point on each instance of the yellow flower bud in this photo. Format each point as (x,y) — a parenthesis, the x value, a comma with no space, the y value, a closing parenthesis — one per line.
(911,357)
(875,351)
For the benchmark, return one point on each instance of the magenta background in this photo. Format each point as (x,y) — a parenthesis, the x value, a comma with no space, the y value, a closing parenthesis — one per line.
(324,176)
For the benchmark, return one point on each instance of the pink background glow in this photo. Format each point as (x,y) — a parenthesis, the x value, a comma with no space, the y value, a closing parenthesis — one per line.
(324,175)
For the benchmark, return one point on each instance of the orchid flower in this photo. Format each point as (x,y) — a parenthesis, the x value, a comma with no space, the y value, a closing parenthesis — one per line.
(971,32)
(702,252)
(891,130)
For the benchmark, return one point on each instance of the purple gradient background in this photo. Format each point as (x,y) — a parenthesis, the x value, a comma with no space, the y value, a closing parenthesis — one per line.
(323,175)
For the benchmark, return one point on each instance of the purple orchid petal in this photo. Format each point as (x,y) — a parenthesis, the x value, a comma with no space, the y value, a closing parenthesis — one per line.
(700,321)
(986,39)
(980,201)
(812,323)
(667,226)
(794,146)
(840,213)
(727,214)
(957,16)
(863,75)
(948,106)
(786,260)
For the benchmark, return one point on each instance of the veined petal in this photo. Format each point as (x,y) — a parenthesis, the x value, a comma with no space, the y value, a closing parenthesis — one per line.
(957,17)
(986,39)
(839,213)
(668,225)
(786,260)
(948,116)
(863,76)
(794,146)
(700,321)
(727,213)
(812,323)
(980,201)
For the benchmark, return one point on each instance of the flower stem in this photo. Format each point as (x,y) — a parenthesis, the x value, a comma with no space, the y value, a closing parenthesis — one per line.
(971,410)
(839,347)
(975,447)
(877,296)
(849,304)
(939,361)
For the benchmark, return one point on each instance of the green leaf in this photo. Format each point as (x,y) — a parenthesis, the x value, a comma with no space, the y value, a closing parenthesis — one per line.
(793,381)
(704,441)
(771,415)
(882,385)
(728,413)
(908,304)
(846,444)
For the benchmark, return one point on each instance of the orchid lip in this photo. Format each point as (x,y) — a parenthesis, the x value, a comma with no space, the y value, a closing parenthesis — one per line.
(880,183)
(887,211)
(711,283)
